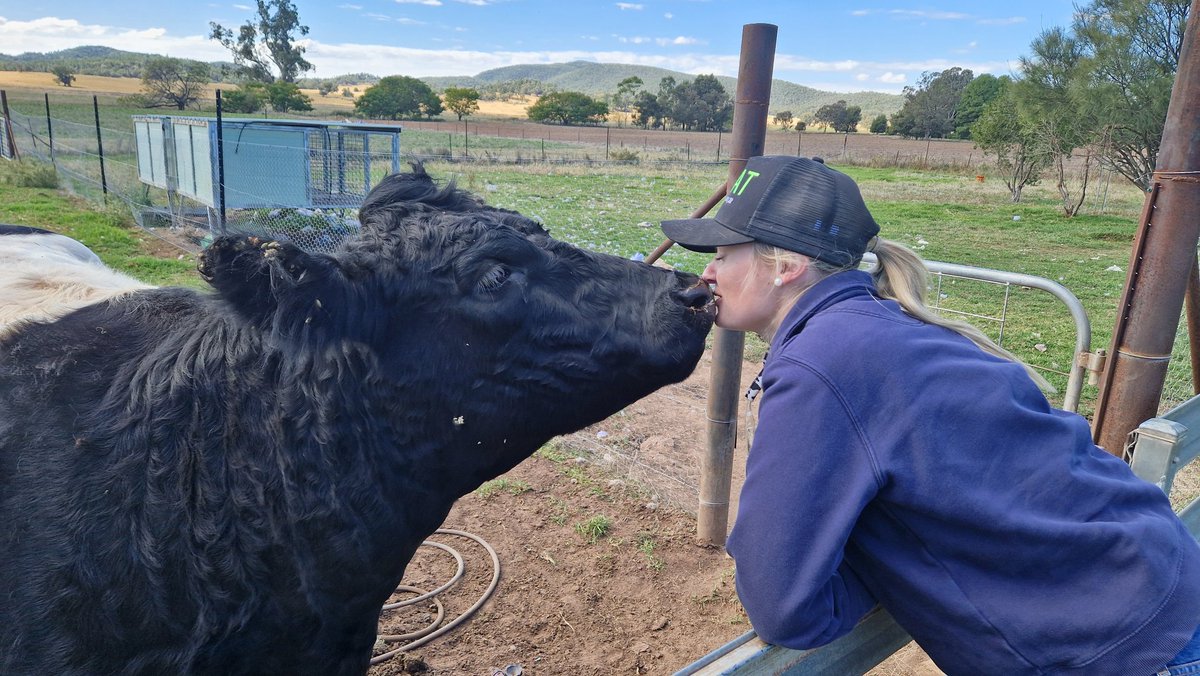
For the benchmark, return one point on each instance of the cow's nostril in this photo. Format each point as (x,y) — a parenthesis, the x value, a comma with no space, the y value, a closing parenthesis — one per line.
(696,296)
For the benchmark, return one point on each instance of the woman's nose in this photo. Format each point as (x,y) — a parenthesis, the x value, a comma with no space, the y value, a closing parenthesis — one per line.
(708,275)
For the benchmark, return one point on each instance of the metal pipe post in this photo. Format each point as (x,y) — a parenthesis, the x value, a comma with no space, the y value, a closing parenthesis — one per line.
(749,135)
(221,162)
(1163,253)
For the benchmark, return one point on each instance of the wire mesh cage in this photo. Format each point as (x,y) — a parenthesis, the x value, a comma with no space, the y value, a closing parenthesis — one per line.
(295,179)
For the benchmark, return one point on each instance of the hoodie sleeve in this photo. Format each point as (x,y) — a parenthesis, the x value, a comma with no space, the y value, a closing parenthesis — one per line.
(808,477)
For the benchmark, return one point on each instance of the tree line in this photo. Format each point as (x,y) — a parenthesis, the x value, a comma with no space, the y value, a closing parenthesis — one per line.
(1096,91)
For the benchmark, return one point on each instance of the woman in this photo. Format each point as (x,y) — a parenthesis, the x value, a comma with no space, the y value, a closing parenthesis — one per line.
(906,460)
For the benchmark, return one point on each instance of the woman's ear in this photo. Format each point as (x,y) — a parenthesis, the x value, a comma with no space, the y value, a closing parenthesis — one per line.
(793,268)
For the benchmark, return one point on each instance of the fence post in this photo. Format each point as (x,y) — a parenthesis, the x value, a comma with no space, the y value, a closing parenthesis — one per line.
(718,146)
(49,128)
(8,126)
(749,136)
(100,149)
(220,163)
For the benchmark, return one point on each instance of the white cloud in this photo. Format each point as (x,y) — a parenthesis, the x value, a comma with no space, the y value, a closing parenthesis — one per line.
(680,40)
(629,5)
(50,34)
(431,3)
(668,16)
(786,63)
(244,8)
(862,77)
(354,7)
(333,59)
(893,78)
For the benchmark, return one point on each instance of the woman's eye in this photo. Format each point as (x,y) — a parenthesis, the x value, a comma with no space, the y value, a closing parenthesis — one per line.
(494,278)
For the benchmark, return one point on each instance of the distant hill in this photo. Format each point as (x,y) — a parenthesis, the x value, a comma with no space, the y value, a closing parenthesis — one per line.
(599,79)
(589,77)
(94,60)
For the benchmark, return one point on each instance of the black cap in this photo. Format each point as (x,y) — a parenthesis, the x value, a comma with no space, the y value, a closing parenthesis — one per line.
(793,203)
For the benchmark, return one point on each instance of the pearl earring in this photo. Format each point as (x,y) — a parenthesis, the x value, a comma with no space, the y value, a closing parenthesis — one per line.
(778,281)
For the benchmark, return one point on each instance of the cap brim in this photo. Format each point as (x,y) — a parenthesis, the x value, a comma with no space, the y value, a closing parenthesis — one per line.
(702,234)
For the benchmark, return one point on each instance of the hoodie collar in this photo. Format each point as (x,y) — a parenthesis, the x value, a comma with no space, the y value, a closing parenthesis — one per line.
(832,289)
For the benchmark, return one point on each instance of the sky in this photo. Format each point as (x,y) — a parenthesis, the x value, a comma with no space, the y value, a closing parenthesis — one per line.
(831,45)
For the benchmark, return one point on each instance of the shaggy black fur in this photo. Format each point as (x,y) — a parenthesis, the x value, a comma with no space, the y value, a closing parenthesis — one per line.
(234,483)
(6,229)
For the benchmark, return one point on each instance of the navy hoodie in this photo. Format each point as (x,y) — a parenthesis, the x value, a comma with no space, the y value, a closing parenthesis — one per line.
(897,463)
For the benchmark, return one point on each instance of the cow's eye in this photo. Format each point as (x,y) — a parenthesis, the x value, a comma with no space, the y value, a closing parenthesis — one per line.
(493,279)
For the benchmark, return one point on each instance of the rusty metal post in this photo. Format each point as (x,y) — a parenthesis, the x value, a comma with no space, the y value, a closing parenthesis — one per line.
(700,212)
(749,135)
(1163,253)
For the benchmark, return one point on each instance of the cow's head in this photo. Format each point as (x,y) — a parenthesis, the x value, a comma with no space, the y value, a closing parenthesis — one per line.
(490,335)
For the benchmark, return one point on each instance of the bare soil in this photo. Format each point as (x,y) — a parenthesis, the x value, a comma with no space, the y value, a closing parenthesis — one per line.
(645,598)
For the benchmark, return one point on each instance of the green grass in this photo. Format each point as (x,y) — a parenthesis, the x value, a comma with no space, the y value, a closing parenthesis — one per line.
(646,545)
(108,232)
(944,216)
(502,485)
(594,528)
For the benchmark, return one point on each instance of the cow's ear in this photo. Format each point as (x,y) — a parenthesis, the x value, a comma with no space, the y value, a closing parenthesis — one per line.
(251,272)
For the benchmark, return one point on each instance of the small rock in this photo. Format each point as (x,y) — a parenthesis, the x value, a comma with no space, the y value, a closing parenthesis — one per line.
(640,647)
(659,624)
(414,665)
(651,506)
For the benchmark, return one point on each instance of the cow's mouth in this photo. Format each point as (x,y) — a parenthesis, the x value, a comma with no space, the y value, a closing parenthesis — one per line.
(700,299)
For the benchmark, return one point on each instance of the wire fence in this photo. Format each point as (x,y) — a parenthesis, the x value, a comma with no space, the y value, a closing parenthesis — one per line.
(507,142)
(187,179)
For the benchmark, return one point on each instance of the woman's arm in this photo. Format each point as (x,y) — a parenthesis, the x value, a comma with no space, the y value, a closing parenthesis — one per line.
(808,477)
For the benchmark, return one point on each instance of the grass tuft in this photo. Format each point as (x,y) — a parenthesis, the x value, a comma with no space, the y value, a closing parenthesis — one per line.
(594,528)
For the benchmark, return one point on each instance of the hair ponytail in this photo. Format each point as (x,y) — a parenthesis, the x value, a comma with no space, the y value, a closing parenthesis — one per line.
(900,275)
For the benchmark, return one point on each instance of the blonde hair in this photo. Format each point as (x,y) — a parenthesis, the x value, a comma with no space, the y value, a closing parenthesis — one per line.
(900,275)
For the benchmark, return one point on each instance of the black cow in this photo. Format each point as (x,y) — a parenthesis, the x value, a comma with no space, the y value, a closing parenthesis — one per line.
(233,483)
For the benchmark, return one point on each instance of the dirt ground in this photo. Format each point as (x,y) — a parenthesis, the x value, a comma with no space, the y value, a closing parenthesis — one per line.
(644,598)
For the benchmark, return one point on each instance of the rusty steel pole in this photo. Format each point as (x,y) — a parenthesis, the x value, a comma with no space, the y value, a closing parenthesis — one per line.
(749,135)
(1163,253)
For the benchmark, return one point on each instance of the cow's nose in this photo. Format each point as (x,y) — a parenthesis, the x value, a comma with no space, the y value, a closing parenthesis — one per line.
(695,296)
